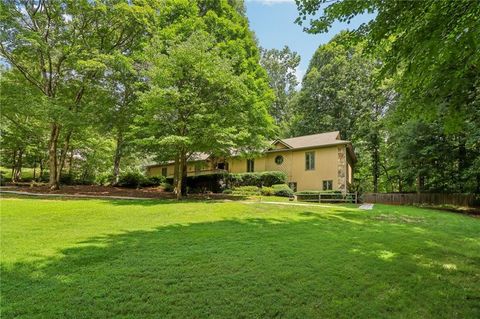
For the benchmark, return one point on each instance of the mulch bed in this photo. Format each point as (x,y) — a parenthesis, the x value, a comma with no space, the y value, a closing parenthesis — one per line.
(93,190)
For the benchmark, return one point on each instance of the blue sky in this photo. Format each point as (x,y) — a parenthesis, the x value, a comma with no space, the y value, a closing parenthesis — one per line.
(273,23)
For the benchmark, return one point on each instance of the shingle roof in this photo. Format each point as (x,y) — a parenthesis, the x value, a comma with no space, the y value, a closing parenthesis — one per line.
(315,140)
(299,142)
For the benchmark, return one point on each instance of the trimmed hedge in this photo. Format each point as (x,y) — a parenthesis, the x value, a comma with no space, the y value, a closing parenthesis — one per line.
(282,190)
(317,192)
(260,179)
(246,190)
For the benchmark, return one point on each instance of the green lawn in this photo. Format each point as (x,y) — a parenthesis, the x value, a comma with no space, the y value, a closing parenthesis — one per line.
(162,259)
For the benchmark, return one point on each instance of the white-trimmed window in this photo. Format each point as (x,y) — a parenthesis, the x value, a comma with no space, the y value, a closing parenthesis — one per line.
(327,185)
(309,161)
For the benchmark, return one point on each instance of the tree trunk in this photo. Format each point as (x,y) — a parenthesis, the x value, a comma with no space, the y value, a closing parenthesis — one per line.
(375,167)
(18,166)
(462,163)
(117,158)
(70,163)
(52,156)
(175,173)
(14,164)
(180,180)
(40,175)
(63,155)
(184,179)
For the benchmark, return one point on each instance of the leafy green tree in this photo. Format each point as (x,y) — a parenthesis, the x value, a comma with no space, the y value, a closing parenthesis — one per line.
(431,49)
(60,47)
(196,103)
(22,122)
(281,66)
(339,92)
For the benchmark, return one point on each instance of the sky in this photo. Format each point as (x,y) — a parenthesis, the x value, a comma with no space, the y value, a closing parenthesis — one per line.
(273,23)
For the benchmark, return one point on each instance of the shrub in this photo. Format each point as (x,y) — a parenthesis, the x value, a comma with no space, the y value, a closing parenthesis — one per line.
(104,179)
(227,191)
(267,179)
(67,179)
(282,190)
(267,191)
(131,179)
(152,181)
(167,187)
(313,192)
(270,178)
(246,190)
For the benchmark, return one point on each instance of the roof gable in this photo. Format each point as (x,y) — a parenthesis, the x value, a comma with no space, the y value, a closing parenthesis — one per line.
(280,145)
(306,141)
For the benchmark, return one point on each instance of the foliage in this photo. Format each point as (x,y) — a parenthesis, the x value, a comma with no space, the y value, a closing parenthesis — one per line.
(131,179)
(429,48)
(267,191)
(316,192)
(207,91)
(246,190)
(167,187)
(282,190)
(61,49)
(267,178)
(281,66)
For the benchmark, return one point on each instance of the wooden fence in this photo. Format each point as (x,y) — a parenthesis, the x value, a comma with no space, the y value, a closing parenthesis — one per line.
(465,200)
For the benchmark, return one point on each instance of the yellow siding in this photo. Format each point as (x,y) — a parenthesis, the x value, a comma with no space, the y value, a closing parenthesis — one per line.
(293,165)
(326,167)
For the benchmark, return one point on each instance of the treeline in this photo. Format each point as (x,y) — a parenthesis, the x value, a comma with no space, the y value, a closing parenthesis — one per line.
(91,87)
(404,88)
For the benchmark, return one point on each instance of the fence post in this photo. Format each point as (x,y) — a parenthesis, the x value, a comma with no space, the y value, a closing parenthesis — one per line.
(356,197)
(319,197)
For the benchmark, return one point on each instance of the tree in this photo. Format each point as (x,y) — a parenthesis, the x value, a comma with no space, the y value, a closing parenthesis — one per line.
(196,103)
(22,121)
(281,67)
(339,92)
(431,49)
(60,46)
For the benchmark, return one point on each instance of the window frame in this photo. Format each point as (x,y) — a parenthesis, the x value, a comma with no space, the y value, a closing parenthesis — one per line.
(329,183)
(310,161)
(164,171)
(250,165)
(280,158)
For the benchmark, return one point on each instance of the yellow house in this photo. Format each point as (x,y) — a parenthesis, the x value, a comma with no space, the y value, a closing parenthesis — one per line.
(311,162)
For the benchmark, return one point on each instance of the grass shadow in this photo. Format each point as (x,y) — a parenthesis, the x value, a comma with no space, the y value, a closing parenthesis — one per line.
(312,265)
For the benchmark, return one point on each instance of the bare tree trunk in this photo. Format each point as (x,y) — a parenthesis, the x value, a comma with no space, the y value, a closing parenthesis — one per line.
(52,156)
(117,157)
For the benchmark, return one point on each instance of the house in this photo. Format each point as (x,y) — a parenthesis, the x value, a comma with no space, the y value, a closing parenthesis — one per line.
(311,162)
